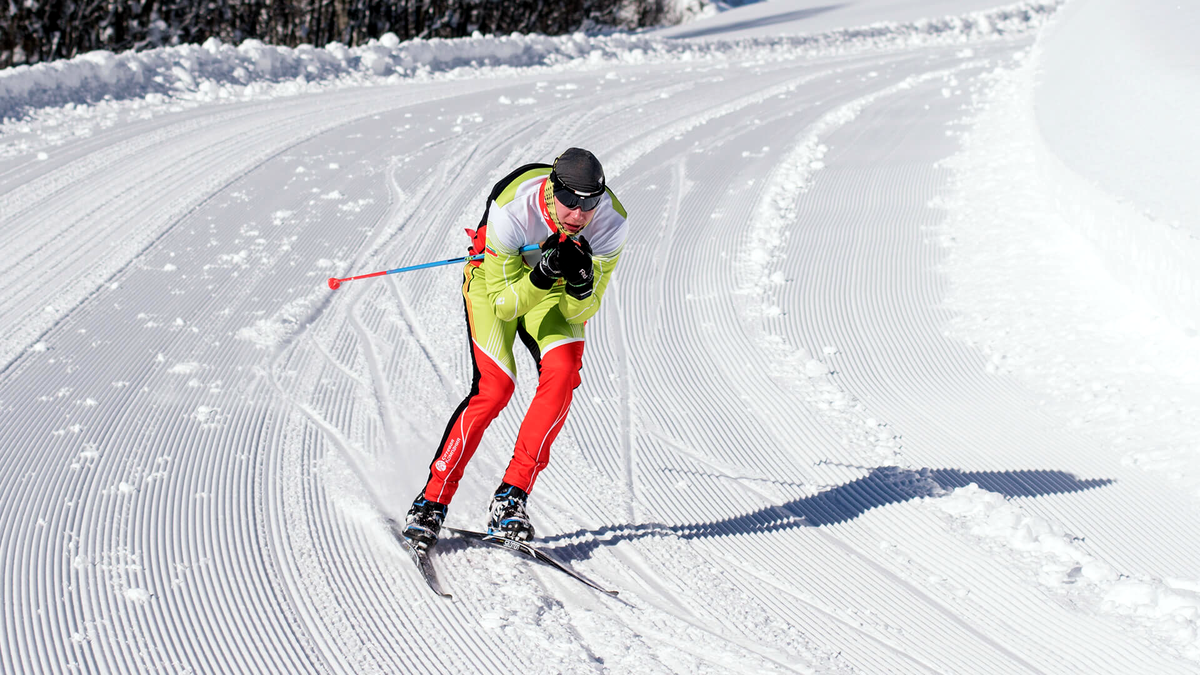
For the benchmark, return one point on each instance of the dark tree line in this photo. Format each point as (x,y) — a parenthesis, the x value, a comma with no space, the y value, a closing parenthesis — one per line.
(44,30)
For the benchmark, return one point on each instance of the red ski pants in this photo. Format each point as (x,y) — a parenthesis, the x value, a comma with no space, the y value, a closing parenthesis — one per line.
(556,346)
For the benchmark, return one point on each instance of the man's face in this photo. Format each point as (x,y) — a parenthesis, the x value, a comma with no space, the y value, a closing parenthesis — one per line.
(573,220)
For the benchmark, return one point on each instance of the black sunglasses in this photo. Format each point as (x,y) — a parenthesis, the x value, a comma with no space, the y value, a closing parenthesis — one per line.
(572,199)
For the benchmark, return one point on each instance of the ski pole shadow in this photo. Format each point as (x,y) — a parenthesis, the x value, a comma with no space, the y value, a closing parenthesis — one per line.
(882,486)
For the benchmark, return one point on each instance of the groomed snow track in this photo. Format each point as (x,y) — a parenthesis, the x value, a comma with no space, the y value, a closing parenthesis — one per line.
(200,447)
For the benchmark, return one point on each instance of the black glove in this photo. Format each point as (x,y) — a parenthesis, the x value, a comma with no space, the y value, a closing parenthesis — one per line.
(549,268)
(576,258)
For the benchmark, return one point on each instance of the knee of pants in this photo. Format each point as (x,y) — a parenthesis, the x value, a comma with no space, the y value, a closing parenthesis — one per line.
(563,362)
(495,390)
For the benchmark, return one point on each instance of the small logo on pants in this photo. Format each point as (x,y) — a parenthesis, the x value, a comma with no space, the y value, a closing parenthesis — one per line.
(447,455)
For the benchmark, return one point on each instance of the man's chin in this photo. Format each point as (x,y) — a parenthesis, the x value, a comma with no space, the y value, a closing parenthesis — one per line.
(572,229)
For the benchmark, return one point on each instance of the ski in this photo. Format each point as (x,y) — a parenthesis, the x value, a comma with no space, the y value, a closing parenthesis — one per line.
(529,550)
(419,557)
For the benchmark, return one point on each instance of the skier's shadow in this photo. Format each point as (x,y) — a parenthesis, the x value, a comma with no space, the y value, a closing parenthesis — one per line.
(882,486)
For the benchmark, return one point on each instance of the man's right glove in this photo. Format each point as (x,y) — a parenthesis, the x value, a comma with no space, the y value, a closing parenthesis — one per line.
(549,268)
(576,258)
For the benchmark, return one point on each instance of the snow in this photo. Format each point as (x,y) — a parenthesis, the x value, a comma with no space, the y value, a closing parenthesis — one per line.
(1170,614)
(105,86)
(772,18)
(1098,304)
(898,373)
(138,596)
(186,368)
(1133,71)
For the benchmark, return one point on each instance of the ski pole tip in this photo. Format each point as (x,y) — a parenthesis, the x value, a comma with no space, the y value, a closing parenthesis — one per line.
(334,283)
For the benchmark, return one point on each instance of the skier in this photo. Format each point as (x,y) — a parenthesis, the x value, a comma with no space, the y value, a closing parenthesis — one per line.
(544,297)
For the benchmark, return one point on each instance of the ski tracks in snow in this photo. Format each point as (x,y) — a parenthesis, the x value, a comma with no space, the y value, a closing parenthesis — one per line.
(379,322)
(759,456)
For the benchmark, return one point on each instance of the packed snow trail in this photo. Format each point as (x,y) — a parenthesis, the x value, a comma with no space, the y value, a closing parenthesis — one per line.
(771,456)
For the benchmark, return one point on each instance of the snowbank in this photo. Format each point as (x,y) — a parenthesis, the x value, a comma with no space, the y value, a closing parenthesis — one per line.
(1116,102)
(215,70)
(1040,263)
(1073,267)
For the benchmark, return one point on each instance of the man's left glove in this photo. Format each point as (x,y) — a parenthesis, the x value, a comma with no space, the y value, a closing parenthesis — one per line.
(575,256)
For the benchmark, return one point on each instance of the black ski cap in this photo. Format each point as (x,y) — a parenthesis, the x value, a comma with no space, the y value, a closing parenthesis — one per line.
(580,171)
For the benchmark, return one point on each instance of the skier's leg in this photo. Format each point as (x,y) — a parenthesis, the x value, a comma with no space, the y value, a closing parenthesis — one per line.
(491,388)
(490,392)
(558,349)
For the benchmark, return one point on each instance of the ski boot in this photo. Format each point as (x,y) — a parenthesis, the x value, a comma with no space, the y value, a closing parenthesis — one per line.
(508,517)
(424,522)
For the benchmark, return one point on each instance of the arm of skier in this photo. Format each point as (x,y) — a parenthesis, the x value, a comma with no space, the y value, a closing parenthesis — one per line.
(508,284)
